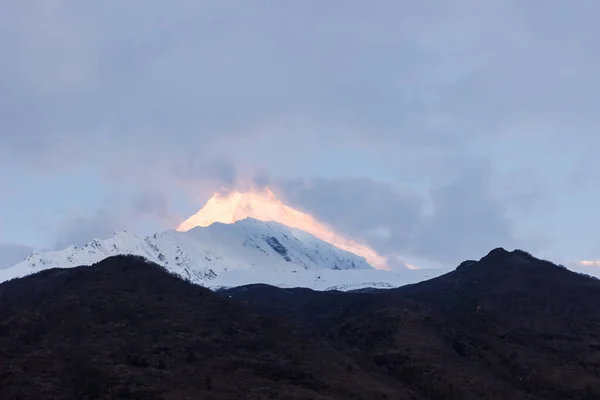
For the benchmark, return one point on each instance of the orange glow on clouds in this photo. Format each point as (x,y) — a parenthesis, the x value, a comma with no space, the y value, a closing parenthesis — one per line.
(587,263)
(265,206)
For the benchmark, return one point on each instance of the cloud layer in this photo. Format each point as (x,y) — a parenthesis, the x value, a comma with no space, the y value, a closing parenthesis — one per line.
(11,254)
(436,129)
(195,75)
(453,222)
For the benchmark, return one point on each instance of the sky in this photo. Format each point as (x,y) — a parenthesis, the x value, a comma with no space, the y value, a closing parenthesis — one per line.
(433,130)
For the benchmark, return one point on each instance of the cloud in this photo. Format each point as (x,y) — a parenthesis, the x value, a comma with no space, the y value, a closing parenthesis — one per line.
(465,220)
(204,79)
(171,89)
(357,206)
(460,216)
(79,230)
(11,254)
(149,210)
(152,204)
(453,221)
(589,263)
(189,97)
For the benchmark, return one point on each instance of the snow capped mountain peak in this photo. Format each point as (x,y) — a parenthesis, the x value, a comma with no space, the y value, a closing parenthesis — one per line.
(237,206)
(203,253)
(264,206)
(232,254)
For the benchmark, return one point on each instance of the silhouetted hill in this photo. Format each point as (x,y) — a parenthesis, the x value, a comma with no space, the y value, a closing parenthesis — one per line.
(126,329)
(509,326)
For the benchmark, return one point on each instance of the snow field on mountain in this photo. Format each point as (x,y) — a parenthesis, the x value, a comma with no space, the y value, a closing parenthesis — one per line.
(225,255)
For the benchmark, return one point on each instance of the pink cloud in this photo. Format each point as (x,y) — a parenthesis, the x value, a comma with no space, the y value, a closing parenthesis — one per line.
(590,263)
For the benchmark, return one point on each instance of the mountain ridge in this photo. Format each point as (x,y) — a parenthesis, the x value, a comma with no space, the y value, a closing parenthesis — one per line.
(507,326)
(125,328)
(221,255)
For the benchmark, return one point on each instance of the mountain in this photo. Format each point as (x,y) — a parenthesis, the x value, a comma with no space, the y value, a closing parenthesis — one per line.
(506,326)
(264,205)
(126,329)
(509,326)
(222,255)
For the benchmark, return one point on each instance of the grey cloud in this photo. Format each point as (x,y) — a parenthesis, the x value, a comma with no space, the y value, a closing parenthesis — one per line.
(462,216)
(155,204)
(152,206)
(11,254)
(197,96)
(465,220)
(357,206)
(261,179)
(205,75)
(149,208)
(79,230)
(457,220)
(189,174)
(196,168)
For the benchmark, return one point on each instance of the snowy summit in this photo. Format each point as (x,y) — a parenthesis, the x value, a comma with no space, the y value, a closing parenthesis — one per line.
(222,255)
